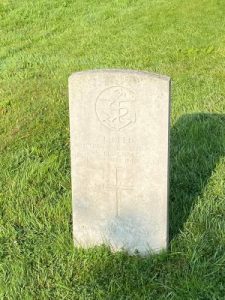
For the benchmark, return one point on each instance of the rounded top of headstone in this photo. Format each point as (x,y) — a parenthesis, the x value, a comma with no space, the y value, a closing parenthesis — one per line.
(121,71)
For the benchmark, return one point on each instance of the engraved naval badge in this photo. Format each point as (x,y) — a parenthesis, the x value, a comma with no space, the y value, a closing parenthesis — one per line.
(115,107)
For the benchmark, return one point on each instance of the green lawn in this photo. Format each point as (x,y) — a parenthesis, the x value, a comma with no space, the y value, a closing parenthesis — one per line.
(42,43)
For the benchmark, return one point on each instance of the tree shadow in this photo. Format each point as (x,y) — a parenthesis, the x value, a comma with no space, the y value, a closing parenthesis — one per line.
(197,142)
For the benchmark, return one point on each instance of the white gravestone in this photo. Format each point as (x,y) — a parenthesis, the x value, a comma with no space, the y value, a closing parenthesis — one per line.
(119,126)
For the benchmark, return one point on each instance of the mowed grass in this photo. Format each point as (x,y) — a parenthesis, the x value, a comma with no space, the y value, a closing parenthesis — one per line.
(42,43)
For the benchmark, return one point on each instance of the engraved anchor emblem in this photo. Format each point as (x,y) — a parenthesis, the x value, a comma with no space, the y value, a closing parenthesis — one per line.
(115,107)
(118,187)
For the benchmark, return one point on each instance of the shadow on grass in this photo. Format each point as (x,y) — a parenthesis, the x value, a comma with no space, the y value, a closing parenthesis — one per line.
(197,142)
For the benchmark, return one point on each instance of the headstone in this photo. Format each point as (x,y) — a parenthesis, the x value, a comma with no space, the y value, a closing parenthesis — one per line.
(119,126)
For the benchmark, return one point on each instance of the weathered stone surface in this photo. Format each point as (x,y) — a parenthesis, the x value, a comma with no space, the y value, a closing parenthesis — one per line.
(119,122)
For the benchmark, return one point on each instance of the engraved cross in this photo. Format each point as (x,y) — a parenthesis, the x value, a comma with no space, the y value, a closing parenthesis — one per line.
(118,188)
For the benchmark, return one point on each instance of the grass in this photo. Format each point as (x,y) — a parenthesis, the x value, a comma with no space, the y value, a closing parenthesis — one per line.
(42,43)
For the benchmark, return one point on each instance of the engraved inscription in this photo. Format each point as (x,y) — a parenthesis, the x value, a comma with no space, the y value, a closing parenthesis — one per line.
(118,187)
(120,150)
(115,107)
